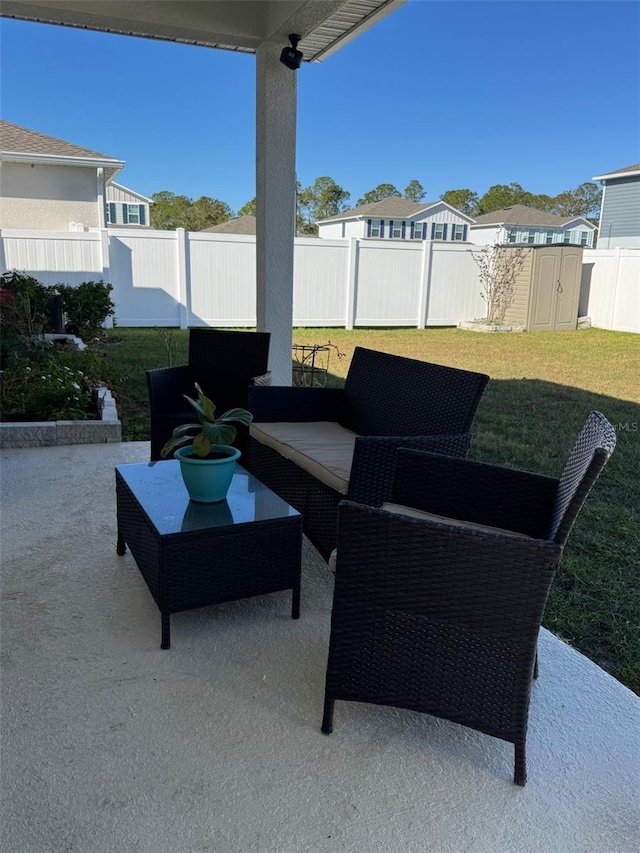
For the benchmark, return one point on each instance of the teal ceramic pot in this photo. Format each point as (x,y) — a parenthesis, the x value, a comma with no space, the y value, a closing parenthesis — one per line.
(207,480)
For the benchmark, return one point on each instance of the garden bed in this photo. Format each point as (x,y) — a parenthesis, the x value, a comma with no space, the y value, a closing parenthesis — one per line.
(106,429)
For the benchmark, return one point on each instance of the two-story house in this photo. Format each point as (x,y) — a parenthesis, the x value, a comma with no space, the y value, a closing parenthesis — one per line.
(398,219)
(52,185)
(620,209)
(522,224)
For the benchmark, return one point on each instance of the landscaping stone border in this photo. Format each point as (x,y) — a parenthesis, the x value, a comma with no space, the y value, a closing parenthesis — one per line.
(483,326)
(49,433)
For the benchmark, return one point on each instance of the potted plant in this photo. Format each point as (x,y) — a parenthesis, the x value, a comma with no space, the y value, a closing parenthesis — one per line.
(207,460)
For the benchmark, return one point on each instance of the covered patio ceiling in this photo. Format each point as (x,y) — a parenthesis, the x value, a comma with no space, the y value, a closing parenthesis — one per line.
(250,26)
(243,25)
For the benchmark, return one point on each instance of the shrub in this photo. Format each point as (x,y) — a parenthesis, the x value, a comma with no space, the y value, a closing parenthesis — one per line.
(87,305)
(23,306)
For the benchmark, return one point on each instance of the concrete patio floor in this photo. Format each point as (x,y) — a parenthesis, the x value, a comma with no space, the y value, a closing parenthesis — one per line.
(110,744)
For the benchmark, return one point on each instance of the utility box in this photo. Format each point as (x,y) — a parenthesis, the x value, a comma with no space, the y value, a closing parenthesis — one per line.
(547,289)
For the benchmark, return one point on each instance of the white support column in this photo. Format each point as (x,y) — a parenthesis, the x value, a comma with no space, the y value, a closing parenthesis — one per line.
(101,200)
(105,263)
(352,278)
(276,109)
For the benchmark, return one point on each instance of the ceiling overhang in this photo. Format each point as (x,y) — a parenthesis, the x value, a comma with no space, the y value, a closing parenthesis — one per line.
(240,25)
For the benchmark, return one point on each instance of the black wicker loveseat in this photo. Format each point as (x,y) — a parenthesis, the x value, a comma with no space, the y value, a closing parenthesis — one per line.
(317,446)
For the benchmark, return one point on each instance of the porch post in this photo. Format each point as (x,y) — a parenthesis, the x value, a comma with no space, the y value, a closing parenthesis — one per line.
(276,108)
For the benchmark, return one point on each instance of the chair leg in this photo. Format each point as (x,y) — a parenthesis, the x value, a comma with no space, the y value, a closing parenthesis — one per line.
(327,718)
(520,765)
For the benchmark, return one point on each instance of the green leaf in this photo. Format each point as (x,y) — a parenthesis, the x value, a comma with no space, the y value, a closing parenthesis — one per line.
(173,443)
(201,445)
(208,407)
(196,405)
(240,416)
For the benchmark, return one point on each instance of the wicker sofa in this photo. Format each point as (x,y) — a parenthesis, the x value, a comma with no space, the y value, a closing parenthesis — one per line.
(317,446)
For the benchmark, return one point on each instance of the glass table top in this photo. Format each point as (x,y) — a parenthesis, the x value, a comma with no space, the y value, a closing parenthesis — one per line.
(161,493)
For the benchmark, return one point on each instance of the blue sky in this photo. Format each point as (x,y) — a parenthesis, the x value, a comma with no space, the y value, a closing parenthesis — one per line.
(455,94)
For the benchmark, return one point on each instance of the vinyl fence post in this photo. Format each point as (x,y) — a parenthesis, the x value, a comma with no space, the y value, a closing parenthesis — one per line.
(184,283)
(105,263)
(352,275)
(425,283)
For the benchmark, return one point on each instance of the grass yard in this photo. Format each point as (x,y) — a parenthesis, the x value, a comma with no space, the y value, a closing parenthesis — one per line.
(542,388)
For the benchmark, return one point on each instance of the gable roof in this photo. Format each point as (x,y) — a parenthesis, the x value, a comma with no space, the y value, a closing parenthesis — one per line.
(20,144)
(522,214)
(626,171)
(390,208)
(242,225)
(130,191)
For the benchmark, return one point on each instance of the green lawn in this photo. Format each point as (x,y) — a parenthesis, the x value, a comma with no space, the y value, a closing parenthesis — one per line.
(542,388)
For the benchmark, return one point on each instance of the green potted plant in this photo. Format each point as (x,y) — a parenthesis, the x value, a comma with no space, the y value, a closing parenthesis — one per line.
(207,459)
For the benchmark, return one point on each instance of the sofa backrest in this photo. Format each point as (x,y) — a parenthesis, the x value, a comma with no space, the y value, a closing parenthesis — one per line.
(391,395)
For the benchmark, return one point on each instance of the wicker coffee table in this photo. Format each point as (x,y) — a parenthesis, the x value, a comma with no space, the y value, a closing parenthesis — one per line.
(194,555)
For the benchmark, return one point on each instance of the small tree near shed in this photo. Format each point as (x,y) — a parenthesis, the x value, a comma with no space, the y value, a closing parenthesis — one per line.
(499,267)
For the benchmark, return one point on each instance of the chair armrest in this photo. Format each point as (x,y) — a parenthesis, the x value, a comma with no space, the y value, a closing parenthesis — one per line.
(166,386)
(452,575)
(475,491)
(374,461)
(282,403)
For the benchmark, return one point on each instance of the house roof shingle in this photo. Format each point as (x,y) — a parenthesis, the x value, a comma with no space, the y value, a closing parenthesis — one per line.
(387,207)
(522,214)
(242,225)
(15,139)
(634,168)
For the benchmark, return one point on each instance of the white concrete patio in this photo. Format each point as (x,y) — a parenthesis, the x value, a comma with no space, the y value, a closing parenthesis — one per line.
(112,745)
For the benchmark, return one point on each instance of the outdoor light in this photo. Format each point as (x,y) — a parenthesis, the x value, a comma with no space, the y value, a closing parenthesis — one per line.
(291,56)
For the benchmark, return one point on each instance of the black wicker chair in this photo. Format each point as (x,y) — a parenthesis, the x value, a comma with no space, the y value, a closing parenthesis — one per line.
(224,363)
(390,402)
(441,613)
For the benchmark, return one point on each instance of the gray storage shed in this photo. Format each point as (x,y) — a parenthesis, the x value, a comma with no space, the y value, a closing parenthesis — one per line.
(547,289)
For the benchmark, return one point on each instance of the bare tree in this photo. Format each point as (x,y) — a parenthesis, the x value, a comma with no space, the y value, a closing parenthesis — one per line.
(499,267)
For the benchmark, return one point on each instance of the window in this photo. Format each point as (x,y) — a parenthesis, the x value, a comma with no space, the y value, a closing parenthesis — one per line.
(511,236)
(531,237)
(566,237)
(110,217)
(548,239)
(397,229)
(419,230)
(438,231)
(458,232)
(375,228)
(133,214)
(584,238)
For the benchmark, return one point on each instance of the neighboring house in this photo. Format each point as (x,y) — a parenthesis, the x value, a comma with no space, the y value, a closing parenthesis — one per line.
(620,209)
(52,185)
(522,224)
(398,219)
(242,225)
(127,207)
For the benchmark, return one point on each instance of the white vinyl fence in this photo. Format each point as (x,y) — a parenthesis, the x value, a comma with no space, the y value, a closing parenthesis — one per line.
(178,278)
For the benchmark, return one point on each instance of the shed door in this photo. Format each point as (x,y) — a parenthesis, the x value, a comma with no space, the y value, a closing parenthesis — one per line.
(568,289)
(542,314)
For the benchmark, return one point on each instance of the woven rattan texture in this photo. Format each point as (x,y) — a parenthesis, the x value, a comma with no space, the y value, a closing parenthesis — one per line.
(444,619)
(224,363)
(203,567)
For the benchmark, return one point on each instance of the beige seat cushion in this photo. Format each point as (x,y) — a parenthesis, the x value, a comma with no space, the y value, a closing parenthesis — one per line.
(323,448)
(399,509)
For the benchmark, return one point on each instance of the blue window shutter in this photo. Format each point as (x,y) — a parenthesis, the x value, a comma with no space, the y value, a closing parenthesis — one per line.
(433,230)
(404,229)
(368,228)
(142,220)
(390,228)
(444,231)
(125,214)
(464,233)
(413,229)
(112,213)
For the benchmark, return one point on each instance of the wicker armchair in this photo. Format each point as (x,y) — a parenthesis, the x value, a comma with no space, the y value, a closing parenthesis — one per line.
(224,363)
(440,612)
(389,402)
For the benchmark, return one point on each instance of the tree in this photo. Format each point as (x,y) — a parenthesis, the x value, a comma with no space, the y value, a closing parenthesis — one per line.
(503,195)
(466,201)
(583,201)
(248,209)
(499,269)
(414,191)
(324,198)
(170,211)
(380,192)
